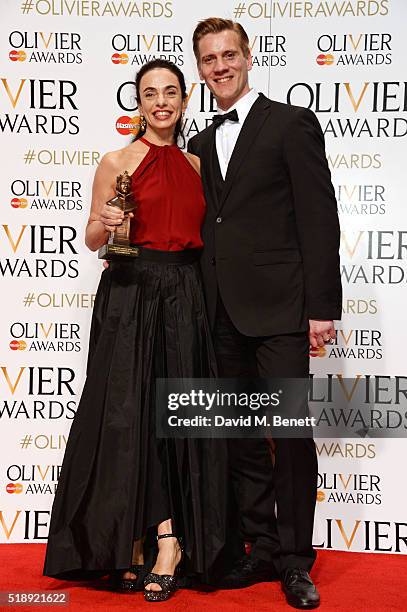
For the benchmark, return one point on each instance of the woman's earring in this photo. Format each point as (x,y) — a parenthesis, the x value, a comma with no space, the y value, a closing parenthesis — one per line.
(143,123)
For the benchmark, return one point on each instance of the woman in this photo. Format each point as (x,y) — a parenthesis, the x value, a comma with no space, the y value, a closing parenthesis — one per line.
(120,486)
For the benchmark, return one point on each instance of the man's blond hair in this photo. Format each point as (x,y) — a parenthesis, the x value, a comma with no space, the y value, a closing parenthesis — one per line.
(214,25)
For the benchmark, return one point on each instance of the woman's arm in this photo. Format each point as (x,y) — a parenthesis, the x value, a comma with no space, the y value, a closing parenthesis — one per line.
(103,218)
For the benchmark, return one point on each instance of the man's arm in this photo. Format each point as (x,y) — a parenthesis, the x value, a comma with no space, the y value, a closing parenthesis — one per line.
(192,146)
(317,223)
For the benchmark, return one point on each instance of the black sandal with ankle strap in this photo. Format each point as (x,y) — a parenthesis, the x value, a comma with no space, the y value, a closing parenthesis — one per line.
(167,582)
(129,585)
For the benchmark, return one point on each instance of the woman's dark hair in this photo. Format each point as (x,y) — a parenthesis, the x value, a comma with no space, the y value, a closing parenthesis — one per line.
(163,63)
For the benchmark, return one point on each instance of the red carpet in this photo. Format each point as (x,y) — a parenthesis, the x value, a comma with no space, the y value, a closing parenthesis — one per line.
(350,582)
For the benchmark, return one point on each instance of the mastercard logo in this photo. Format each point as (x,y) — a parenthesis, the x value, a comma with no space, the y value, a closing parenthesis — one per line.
(128,125)
(325,60)
(18,345)
(120,58)
(17,56)
(14,487)
(19,203)
(320,351)
(320,496)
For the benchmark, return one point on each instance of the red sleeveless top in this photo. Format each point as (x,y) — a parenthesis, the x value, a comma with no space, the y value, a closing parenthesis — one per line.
(169,199)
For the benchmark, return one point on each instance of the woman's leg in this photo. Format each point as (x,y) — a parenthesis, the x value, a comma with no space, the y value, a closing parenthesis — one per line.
(169,555)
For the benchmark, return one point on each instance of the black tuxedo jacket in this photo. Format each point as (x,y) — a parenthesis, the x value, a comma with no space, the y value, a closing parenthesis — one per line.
(271,231)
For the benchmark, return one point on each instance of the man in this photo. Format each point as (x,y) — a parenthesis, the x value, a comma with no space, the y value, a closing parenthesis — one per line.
(271,276)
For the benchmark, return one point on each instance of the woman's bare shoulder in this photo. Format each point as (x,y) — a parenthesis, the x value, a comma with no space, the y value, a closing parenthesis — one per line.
(119,159)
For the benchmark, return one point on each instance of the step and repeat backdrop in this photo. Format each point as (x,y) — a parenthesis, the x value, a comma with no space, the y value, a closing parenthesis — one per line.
(67,97)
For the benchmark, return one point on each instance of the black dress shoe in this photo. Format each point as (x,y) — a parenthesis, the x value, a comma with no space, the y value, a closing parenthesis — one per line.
(247,571)
(299,589)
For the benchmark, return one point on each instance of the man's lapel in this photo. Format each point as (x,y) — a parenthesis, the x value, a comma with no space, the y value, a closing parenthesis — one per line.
(250,129)
(207,170)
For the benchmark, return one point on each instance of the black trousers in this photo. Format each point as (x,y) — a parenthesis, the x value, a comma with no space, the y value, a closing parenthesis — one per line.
(276,501)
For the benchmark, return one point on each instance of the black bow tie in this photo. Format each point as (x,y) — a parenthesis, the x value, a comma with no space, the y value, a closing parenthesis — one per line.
(219,119)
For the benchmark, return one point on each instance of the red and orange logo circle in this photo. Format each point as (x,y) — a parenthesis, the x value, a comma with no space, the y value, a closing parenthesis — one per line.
(17,56)
(14,487)
(120,58)
(19,203)
(325,59)
(126,125)
(18,345)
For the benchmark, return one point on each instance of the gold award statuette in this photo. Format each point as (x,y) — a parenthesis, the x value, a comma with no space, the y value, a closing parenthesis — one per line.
(118,244)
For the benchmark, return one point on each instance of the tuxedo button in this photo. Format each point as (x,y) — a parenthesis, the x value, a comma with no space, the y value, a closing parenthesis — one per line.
(213,261)
(219,220)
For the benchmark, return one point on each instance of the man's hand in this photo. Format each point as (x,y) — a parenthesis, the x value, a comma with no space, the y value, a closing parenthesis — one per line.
(321,332)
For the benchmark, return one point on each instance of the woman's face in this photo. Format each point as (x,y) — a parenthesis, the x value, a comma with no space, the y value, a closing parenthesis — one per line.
(161,100)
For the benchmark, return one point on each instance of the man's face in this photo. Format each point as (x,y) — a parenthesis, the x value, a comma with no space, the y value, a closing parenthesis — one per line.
(223,67)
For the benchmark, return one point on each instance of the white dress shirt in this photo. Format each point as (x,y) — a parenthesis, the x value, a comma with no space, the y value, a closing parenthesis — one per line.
(228,133)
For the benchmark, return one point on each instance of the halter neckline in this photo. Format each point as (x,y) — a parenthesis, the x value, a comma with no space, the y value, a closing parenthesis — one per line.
(152,144)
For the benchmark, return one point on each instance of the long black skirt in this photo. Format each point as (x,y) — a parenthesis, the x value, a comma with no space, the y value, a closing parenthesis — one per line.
(118,480)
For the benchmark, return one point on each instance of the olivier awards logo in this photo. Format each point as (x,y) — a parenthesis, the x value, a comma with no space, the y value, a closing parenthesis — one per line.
(45,47)
(351,488)
(39,246)
(362,49)
(377,108)
(353,344)
(361,199)
(366,535)
(374,257)
(44,393)
(45,337)
(32,479)
(269,51)
(138,49)
(24,524)
(39,96)
(61,195)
